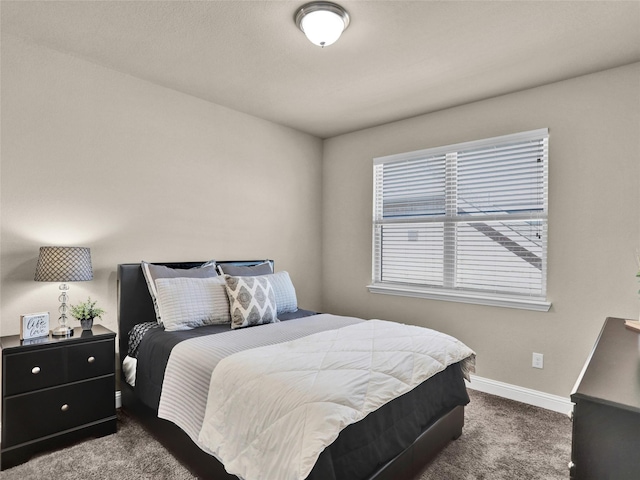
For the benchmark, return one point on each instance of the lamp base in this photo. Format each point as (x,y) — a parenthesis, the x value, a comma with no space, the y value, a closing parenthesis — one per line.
(62,331)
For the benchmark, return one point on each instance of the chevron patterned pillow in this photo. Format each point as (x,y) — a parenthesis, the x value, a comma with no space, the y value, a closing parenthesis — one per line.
(252,301)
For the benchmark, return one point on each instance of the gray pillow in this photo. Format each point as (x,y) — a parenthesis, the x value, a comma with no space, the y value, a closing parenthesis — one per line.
(242,271)
(186,303)
(251,300)
(152,272)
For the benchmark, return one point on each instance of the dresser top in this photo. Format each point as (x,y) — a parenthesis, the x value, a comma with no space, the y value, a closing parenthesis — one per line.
(98,332)
(611,375)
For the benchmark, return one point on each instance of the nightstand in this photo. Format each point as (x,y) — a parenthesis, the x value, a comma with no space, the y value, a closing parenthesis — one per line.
(56,390)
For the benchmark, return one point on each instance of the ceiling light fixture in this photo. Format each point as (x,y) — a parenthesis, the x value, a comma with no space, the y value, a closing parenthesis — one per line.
(322,22)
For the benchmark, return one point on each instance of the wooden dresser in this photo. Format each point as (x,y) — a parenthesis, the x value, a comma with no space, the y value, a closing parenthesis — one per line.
(606,415)
(56,390)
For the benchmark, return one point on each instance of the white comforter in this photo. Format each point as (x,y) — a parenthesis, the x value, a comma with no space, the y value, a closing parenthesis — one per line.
(272,410)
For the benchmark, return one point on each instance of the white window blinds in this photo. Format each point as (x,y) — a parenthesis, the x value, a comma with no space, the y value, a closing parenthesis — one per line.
(466,220)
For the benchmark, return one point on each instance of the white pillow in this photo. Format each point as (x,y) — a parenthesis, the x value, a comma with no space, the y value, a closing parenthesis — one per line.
(186,303)
(284,291)
(152,272)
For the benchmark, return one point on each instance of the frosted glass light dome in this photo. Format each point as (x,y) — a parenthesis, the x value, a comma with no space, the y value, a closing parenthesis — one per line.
(322,22)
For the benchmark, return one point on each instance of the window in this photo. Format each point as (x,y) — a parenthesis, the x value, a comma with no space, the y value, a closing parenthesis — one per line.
(465,222)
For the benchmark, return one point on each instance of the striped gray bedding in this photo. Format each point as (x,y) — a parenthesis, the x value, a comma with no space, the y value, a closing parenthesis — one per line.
(188,374)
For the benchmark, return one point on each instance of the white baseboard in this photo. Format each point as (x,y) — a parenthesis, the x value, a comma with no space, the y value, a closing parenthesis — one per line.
(521,394)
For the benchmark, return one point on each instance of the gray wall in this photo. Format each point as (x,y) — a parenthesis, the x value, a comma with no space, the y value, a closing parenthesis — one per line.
(594,127)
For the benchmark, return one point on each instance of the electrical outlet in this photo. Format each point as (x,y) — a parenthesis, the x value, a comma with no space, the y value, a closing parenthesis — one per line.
(537,360)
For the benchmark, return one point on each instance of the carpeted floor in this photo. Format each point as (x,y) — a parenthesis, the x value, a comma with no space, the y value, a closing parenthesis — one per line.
(505,440)
(502,439)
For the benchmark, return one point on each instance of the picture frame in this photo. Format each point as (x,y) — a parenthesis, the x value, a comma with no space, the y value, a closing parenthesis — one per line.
(34,325)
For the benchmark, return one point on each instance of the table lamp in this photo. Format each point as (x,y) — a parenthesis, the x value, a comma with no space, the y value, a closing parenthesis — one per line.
(63,264)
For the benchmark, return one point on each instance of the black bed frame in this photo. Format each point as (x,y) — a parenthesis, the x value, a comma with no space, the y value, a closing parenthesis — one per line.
(135,306)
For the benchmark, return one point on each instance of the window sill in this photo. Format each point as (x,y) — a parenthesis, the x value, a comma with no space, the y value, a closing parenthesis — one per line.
(524,303)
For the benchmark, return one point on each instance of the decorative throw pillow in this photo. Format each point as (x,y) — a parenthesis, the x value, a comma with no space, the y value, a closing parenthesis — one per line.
(284,291)
(152,272)
(186,303)
(245,271)
(251,300)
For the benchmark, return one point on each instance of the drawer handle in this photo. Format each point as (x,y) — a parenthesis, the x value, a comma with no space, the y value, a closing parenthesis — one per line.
(64,407)
(35,370)
(91,359)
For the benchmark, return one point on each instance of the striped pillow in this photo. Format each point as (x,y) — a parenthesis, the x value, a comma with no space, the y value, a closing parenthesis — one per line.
(152,272)
(186,303)
(284,291)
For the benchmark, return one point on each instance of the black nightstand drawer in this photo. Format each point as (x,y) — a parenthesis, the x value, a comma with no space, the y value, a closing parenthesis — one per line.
(53,410)
(89,360)
(25,372)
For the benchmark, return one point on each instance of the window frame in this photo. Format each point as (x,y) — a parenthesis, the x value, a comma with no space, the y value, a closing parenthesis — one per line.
(462,295)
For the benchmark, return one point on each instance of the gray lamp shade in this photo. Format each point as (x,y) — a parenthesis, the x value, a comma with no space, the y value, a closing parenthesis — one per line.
(64,264)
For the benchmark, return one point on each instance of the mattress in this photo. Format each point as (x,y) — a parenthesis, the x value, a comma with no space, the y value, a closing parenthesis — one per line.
(360,447)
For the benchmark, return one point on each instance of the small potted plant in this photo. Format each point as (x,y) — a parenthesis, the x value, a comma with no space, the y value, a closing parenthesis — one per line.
(85,312)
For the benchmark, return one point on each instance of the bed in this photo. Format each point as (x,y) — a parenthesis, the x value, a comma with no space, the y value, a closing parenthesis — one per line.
(400,437)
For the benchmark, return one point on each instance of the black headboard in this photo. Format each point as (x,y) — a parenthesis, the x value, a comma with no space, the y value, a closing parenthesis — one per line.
(134,301)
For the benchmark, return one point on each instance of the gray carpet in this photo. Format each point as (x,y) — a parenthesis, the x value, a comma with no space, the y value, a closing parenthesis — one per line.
(501,439)
(505,440)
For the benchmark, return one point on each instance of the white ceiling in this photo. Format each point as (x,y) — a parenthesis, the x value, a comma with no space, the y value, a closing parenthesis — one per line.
(397,59)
